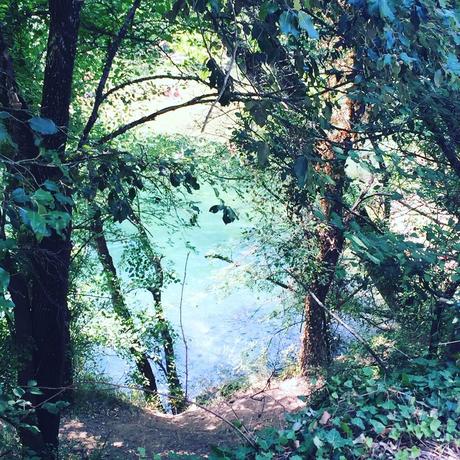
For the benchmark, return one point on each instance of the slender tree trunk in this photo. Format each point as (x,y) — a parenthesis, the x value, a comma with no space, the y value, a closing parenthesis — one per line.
(121,309)
(315,348)
(177,397)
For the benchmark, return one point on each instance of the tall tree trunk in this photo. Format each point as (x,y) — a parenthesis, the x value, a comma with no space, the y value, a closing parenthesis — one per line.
(314,342)
(121,309)
(315,348)
(39,282)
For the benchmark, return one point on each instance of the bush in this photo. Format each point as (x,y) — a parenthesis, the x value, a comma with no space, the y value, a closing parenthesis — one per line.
(368,415)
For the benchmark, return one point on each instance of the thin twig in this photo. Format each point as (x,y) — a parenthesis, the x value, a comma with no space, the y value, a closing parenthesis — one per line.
(203,99)
(112,51)
(152,78)
(184,339)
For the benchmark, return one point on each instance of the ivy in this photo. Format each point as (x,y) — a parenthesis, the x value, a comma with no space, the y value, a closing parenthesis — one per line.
(372,416)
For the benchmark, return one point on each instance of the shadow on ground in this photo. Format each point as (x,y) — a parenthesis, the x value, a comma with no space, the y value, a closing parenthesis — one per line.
(118,431)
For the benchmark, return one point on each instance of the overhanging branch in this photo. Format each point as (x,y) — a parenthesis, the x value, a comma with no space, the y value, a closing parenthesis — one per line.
(151,78)
(113,49)
(204,99)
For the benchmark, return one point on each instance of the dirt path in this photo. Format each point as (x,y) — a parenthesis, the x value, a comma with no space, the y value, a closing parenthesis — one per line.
(117,432)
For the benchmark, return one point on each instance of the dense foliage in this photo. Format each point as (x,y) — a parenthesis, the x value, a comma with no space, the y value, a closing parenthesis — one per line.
(362,415)
(341,149)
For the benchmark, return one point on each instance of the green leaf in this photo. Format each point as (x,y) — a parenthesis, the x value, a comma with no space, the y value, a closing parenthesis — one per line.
(334,438)
(300,170)
(378,426)
(50,407)
(18,392)
(408,60)
(358,242)
(31,428)
(317,442)
(63,199)
(287,25)
(372,258)
(262,154)
(38,224)
(6,305)
(453,64)
(43,125)
(435,424)
(388,405)
(385,10)
(358,422)
(229,215)
(19,195)
(51,185)
(4,279)
(306,23)
(44,198)
(381,8)
(4,136)
(402,455)
(58,220)
(259,112)
(451,425)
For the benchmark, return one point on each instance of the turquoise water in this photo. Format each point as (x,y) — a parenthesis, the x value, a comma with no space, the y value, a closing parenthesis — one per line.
(225,323)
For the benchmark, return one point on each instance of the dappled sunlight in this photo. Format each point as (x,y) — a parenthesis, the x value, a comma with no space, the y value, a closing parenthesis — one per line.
(196,430)
(203,201)
(78,433)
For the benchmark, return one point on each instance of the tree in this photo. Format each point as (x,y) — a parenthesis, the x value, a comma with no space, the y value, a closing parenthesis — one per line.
(45,167)
(296,58)
(39,272)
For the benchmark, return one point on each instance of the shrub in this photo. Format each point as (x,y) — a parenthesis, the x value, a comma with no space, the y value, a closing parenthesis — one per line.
(368,415)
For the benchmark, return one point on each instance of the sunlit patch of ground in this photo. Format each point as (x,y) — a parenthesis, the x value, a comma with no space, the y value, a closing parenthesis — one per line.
(120,432)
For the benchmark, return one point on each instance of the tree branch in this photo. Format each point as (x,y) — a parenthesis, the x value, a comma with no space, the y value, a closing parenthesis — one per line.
(151,78)
(112,51)
(203,99)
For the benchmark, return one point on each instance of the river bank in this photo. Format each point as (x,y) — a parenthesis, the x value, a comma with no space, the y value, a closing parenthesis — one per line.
(117,429)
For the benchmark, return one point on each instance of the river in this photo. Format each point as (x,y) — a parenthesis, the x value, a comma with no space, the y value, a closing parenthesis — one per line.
(225,323)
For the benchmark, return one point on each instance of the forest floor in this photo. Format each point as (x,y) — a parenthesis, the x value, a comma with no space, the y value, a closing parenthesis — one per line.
(116,431)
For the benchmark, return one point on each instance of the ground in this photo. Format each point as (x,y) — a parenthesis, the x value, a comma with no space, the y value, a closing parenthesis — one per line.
(117,432)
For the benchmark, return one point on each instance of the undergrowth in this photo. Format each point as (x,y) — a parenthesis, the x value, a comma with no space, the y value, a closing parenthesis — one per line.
(364,414)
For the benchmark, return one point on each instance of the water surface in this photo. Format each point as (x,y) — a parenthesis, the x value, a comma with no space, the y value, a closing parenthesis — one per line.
(226,327)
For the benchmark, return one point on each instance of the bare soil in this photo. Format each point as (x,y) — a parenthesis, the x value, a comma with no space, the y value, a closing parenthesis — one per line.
(117,432)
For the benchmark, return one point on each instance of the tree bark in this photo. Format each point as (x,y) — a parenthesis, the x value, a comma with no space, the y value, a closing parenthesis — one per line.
(177,398)
(315,347)
(121,309)
(39,281)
